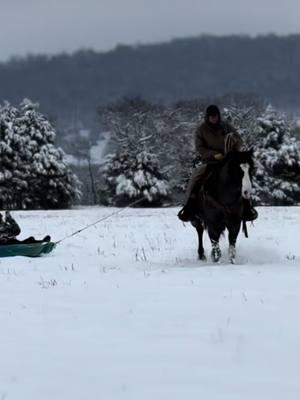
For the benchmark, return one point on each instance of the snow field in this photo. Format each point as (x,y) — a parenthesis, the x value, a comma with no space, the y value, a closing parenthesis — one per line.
(124,310)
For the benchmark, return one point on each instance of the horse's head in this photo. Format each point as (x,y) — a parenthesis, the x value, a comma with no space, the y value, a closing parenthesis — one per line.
(241,167)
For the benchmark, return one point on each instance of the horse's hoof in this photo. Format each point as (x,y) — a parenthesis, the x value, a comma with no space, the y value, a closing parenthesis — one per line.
(202,257)
(216,254)
(232,254)
(215,258)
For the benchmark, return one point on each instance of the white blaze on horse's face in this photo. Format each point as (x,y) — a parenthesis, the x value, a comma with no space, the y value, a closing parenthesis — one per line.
(246,182)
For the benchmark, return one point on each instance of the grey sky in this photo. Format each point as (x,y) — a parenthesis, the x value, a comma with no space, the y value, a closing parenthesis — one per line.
(52,26)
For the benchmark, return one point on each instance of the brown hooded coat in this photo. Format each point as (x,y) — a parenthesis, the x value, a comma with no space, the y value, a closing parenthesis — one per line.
(209,141)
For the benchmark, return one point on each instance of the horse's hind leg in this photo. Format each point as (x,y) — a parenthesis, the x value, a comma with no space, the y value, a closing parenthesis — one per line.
(232,253)
(199,227)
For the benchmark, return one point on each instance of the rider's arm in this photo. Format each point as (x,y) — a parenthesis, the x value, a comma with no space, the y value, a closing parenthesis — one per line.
(206,153)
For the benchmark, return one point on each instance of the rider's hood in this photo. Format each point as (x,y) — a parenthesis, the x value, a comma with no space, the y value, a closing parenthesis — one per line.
(212,110)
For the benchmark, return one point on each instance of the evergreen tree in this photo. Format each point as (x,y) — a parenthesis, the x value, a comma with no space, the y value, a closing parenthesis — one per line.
(244,119)
(33,171)
(277,155)
(134,170)
(127,177)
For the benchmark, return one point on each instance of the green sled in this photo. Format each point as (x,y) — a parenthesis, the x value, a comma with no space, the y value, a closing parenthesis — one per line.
(26,250)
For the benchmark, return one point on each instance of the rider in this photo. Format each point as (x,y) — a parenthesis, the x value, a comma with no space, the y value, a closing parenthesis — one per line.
(210,146)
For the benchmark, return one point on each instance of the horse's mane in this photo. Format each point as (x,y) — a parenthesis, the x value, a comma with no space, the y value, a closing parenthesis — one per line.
(240,157)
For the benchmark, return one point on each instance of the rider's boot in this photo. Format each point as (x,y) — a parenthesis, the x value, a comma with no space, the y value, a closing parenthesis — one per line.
(189,210)
(249,214)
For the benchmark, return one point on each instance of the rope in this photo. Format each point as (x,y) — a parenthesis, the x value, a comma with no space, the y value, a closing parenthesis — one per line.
(99,220)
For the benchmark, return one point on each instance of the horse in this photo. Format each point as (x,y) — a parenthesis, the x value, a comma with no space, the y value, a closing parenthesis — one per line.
(220,202)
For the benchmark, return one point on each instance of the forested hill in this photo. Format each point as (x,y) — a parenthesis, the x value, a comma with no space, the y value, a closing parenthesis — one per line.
(74,85)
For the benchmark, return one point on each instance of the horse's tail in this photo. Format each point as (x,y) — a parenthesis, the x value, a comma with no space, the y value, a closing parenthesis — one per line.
(245,230)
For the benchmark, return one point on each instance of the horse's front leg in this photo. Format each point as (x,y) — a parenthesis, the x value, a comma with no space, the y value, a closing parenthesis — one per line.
(214,236)
(233,234)
(199,227)
(215,251)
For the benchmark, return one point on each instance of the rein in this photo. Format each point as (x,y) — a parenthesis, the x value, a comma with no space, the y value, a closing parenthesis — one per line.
(100,220)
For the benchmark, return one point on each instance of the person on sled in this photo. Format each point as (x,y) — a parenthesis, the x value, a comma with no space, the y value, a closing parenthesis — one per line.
(9,230)
(210,139)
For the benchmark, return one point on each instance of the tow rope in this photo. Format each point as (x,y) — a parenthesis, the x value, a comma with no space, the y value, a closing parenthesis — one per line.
(99,220)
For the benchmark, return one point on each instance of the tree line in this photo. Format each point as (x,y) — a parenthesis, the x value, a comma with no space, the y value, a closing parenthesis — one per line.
(71,87)
(150,155)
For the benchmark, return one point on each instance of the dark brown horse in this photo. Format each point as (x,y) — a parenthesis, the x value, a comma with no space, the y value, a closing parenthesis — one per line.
(221,201)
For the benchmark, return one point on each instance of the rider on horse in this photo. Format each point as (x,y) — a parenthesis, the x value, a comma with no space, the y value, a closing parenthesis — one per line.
(211,140)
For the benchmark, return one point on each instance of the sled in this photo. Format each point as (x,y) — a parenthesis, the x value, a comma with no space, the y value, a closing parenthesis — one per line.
(26,249)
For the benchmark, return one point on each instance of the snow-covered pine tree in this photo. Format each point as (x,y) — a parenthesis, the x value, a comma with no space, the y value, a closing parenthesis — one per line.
(133,171)
(181,146)
(277,154)
(244,119)
(127,177)
(33,172)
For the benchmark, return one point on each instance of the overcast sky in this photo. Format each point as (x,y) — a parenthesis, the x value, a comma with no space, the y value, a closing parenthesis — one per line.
(53,26)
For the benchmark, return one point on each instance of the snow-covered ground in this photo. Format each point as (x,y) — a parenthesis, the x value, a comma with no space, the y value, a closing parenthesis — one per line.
(125,310)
